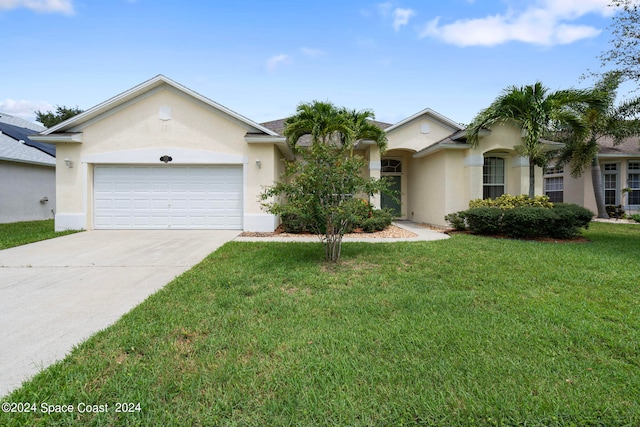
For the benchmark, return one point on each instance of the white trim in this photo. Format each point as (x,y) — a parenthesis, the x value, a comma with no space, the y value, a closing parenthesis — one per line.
(260,223)
(150,156)
(70,221)
(57,138)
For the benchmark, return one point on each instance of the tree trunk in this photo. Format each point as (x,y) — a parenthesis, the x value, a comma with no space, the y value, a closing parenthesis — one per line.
(598,190)
(532,178)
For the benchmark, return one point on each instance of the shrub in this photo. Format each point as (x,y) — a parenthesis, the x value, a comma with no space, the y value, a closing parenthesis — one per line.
(379,220)
(483,220)
(527,222)
(568,219)
(562,221)
(359,213)
(507,201)
(456,219)
(635,217)
(292,221)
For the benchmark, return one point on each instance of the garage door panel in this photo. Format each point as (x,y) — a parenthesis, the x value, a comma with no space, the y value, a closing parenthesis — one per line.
(168,197)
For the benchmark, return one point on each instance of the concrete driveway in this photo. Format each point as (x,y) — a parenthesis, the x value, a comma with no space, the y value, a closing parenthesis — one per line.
(56,293)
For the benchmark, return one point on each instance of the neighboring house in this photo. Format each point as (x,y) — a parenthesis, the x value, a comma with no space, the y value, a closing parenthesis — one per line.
(27,172)
(161,156)
(620,168)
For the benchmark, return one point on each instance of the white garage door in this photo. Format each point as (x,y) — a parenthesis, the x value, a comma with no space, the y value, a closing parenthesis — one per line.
(156,197)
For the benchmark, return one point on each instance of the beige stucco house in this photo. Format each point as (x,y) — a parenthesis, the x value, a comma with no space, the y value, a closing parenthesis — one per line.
(161,156)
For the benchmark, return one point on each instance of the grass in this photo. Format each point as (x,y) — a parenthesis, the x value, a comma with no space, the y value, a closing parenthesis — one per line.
(21,233)
(466,331)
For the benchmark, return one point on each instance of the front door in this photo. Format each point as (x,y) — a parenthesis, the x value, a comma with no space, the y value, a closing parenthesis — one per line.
(391,199)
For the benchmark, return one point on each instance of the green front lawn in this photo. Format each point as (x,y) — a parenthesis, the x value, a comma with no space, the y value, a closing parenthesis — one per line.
(21,233)
(466,331)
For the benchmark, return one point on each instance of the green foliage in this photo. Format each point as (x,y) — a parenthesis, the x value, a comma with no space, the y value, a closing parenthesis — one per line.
(456,220)
(507,201)
(377,221)
(635,217)
(526,222)
(62,113)
(317,192)
(483,220)
(538,113)
(361,215)
(568,220)
(562,221)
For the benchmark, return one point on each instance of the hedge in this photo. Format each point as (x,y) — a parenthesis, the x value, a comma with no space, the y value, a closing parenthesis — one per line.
(562,221)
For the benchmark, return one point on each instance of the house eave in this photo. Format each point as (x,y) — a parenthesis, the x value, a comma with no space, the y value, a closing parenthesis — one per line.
(278,141)
(439,147)
(28,162)
(58,138)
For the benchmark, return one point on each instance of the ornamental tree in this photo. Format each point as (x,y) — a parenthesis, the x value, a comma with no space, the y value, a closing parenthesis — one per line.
(321,187)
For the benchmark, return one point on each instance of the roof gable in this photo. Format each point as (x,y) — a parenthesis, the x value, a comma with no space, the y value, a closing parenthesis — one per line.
(442,120)
(159,82)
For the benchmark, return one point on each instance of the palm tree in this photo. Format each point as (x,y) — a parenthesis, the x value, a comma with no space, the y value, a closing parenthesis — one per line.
(537,112)
(611,122)
(321,187)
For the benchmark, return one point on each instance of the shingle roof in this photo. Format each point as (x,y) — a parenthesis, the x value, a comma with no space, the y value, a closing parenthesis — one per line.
(628,147)
(12,131)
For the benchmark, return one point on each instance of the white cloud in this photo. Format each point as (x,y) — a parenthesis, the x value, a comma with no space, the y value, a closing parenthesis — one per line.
(24,109)
(398,15)
(545,23)
(276,60)
(312,53)
(42,6)
(401,17)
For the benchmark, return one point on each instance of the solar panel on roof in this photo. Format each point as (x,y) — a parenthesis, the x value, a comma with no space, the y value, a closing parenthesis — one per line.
(22,134)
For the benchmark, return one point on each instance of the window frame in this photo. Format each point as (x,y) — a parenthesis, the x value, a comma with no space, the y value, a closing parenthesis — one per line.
(488,187)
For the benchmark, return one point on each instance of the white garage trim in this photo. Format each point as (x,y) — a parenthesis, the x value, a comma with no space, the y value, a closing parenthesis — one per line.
(152,156)
(168,197)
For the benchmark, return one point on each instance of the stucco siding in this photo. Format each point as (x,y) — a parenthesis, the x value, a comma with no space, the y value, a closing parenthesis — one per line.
(411,136)
(22,187)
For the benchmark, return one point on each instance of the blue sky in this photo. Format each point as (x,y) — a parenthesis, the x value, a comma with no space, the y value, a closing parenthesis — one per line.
(262,58)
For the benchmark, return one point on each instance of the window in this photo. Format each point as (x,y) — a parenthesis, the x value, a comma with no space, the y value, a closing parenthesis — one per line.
(554,188)
(554,184)
(633,182)
(391,166)
(611,184)
(492,177)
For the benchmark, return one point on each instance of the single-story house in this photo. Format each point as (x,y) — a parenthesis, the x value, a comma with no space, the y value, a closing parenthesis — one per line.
(620,174)
(27,172)
(163,156)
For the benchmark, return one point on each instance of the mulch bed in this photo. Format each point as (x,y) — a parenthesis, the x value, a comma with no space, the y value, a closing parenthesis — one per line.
(391,232)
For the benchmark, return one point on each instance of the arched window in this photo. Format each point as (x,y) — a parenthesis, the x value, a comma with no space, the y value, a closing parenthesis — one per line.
(391,166)
(493,177)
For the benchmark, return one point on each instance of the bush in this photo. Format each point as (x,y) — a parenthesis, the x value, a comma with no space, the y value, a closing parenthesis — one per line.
(507,201)
(563,221)
(359,212)
(568,219)
(635,217)
(526,222)
(379,220)
(483,220)
(456,219)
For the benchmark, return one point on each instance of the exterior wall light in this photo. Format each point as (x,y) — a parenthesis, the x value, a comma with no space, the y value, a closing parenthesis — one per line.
(258,163)
(68,163)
